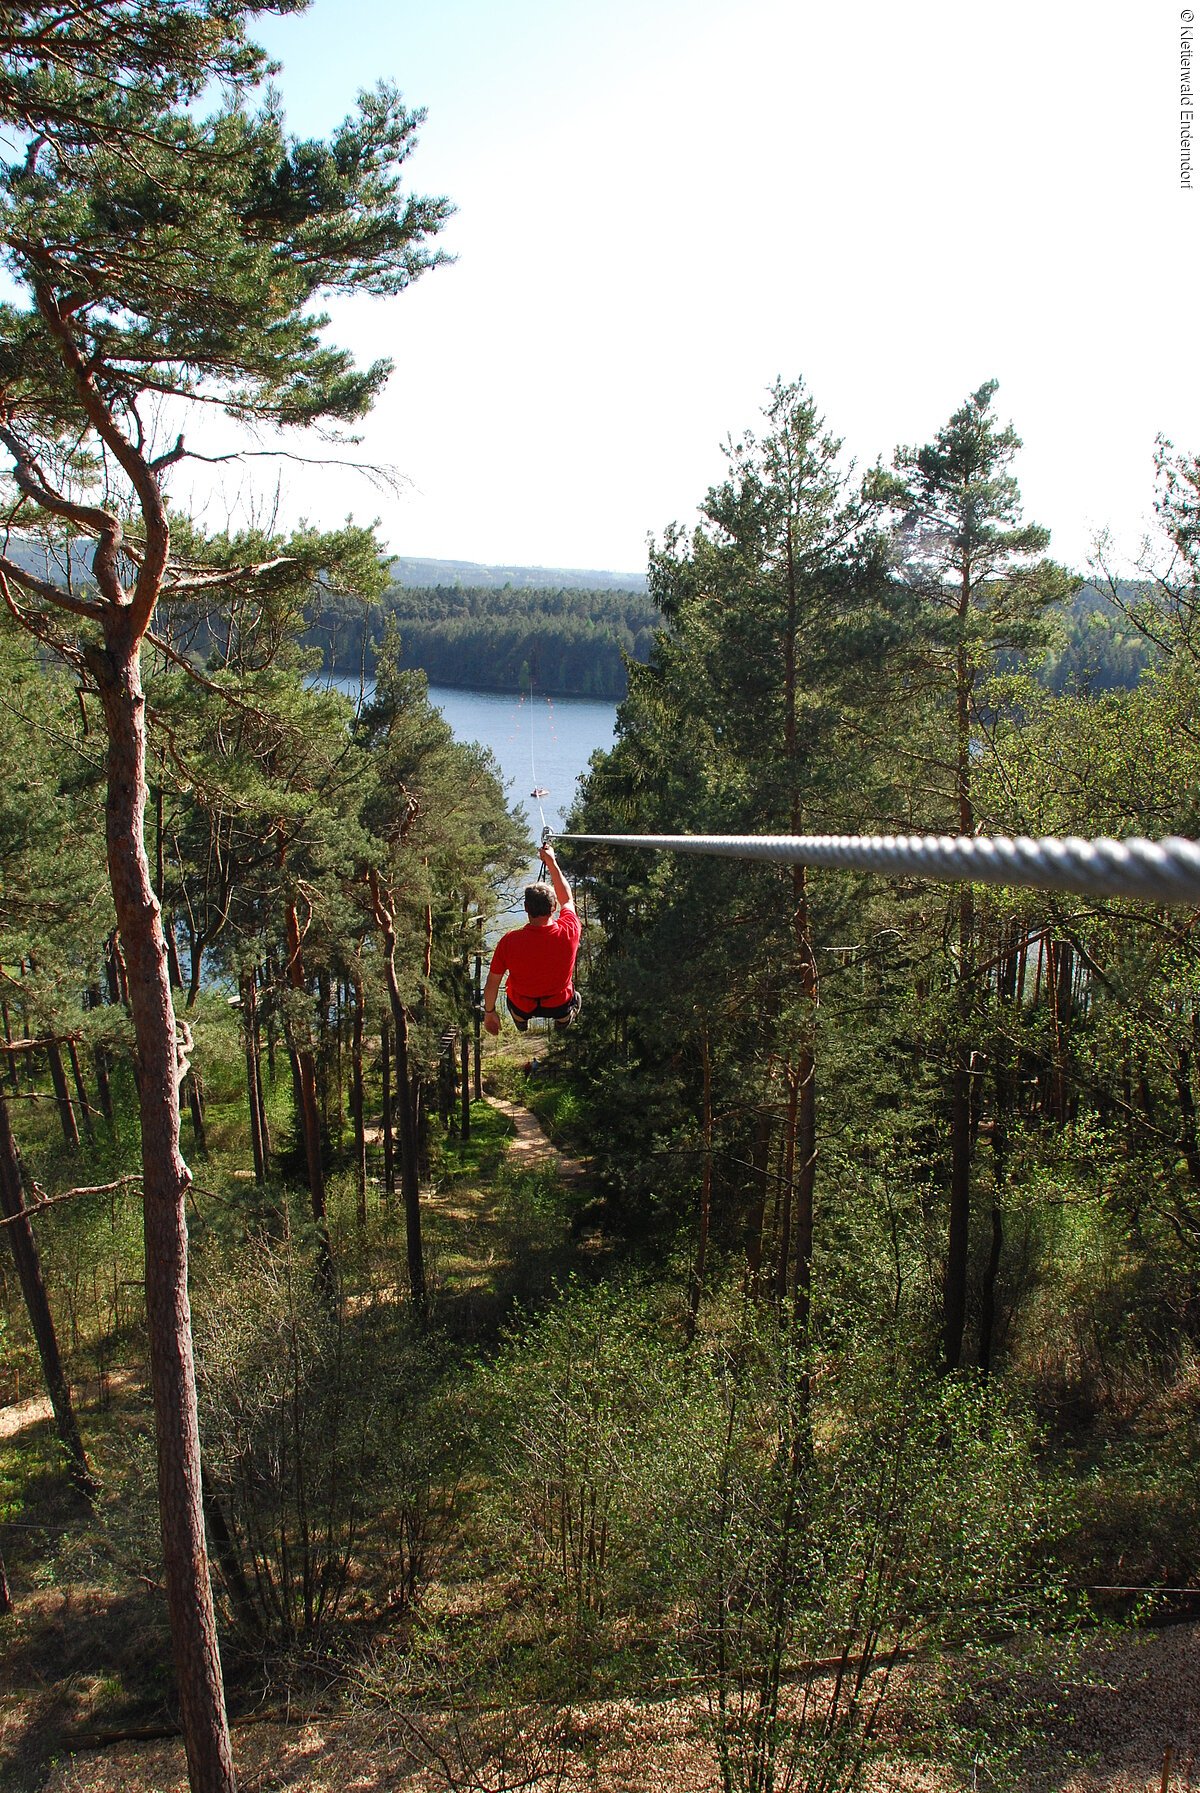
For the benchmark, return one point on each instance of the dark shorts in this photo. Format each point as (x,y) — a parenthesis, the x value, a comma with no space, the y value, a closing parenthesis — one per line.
(562,1014)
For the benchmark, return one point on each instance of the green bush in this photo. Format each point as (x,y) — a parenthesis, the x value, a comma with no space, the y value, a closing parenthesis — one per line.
(594,1422)
(318,1425)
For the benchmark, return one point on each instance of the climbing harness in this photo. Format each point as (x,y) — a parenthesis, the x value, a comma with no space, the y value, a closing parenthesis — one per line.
(1165,870)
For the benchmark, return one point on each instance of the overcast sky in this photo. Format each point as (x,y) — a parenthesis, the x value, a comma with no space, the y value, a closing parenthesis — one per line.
(664,204)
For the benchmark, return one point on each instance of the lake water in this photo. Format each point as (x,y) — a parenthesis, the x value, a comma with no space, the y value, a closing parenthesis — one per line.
(539,742)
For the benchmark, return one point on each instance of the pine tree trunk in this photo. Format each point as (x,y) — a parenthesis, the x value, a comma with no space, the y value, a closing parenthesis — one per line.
(10,1057)
(357,1104)
(478,1012)
(954,1296)
(37,1305)
(787,1179)
(806,1166)
(66,1113)
(410,1179)
(166,1179)
(704,1218)
(389,1148)
(195,1092)
(304,1070)
(6,1602)
(250,1048)
(85,1109)
(760,1153)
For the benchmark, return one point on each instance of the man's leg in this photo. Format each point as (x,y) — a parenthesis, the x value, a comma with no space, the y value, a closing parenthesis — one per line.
(576,1004)
(520,1021)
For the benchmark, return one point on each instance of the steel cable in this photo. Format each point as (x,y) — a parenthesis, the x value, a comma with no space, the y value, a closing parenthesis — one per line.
(1162,871)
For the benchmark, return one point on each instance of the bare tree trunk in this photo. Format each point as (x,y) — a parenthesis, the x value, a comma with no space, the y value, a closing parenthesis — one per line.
(195,1093)
(253,1099)
(410,1178)
(13,1077)
(166,1179)
(93,999)
(66,1113)
(389,1146)
(954,1294)
(168,924)
(357,1104)
(305,1071)
(409,1167)
(704,1219)
(6,1602)
(760,1153)
(787,1177)
(37,1305)
(85,1109)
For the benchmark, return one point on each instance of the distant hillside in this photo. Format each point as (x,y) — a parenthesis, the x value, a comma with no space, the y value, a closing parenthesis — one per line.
(411,571)
(568,642)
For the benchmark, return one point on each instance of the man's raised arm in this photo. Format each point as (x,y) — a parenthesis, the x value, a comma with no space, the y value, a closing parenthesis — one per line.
(562,890)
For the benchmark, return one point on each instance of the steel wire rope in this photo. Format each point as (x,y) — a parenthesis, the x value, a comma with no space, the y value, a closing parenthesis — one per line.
(1166,870)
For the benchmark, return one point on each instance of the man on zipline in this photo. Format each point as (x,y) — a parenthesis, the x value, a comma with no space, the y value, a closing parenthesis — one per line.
(539,958)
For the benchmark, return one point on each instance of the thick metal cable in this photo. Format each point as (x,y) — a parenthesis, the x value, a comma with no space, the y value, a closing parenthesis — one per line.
(1160,871)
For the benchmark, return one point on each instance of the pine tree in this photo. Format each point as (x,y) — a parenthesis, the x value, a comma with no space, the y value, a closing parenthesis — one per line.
(163,256)
(981,586)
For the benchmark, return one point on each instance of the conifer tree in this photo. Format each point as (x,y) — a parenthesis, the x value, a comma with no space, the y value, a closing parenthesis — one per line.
(982,586)
(164,258)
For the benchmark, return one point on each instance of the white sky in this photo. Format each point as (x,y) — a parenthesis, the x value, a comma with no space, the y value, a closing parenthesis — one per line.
(663,204)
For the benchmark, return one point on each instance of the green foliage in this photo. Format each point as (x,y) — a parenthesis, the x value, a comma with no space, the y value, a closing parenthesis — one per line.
(320,1427)
(894,1513)
(594,1424)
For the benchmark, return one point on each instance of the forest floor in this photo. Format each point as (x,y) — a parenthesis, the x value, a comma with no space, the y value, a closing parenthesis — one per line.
(1130,1701)
(1122,1705)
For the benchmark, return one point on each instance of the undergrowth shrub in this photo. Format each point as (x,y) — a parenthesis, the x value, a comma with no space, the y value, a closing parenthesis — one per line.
(322,1449)
(855,1517)
(593,1419)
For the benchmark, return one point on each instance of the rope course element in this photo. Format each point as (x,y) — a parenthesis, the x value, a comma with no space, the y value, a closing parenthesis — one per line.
(1162,871)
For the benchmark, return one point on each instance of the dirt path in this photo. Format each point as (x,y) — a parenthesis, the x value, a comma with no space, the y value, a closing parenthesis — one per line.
(19,1415)
(530,1148)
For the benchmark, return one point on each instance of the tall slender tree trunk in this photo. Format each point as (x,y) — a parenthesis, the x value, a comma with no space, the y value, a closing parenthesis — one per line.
(787,1178)
(704,1218)
(357,1103)
(37,1304)
(62,1097)
(166,1179)
(253,1097)
(85,1107)
(410,1177)
(304,1068)
(389,1138)
(954,1295)
(195,1094)
(760,1153)
(410,1180)
(10,1058)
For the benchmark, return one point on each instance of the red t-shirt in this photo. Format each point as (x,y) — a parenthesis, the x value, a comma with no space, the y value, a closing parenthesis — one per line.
(539,961)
